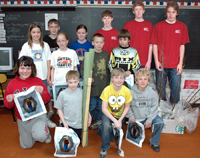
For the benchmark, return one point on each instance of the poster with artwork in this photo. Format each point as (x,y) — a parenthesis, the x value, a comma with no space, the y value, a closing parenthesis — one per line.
(29,104)
(66,142)
(135,133)
(57,88)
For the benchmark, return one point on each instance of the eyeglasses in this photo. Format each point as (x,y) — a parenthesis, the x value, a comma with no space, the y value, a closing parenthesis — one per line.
(63,41)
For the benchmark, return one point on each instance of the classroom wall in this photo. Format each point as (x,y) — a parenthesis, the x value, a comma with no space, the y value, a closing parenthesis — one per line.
(16,24)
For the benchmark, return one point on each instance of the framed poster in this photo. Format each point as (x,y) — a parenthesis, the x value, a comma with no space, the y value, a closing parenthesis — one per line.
(29,104)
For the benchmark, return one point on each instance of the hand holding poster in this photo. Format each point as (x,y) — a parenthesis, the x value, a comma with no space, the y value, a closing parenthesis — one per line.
(29,104)
(118,139)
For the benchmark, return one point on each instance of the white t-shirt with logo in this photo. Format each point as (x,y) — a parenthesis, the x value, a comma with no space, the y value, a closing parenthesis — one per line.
(39,55)
(63,61)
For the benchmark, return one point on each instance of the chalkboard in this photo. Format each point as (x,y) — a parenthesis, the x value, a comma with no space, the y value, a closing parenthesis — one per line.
(17,24)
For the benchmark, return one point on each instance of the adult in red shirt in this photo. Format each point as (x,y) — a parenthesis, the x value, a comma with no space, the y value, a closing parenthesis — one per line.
(140,30)
(110,34)
(169,38)
(35,129)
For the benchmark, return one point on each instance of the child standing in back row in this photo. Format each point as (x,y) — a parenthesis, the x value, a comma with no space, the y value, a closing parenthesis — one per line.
(62,60)
(109,33)
(82,45)
(40,52)
(53,27)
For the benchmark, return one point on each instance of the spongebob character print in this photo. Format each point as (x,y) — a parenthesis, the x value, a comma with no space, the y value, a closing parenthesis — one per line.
(116,100)
(125,58)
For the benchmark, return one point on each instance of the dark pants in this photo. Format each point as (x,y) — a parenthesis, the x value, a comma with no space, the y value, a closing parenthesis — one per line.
(77,131)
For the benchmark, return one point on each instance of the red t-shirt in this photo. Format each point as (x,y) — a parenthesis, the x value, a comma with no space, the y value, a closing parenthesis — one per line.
(169,37)
(18,85)
(140,37)
(111,39)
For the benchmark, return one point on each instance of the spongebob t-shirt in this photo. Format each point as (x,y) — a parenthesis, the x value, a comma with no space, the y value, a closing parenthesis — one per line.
(116,100)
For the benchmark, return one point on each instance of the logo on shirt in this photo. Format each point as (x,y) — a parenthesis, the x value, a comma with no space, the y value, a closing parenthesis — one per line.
(64,62)
(142,103)
(177,31)
(146,29)
(113,38)
(124,52)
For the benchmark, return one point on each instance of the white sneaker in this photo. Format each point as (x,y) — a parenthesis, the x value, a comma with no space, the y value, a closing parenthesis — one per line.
(50,114)
(48,139)
(50,124)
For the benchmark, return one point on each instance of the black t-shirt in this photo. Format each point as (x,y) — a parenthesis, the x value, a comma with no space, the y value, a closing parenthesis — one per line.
(51,42)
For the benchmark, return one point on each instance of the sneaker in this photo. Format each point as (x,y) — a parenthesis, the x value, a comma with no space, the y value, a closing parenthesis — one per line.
(103,153)
(96,125)
(50,124)
(156,148)
(50,114)
(48,139)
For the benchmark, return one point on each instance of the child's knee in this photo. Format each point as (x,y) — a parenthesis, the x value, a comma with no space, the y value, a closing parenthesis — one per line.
(26,144)
(106,127)
(40,132)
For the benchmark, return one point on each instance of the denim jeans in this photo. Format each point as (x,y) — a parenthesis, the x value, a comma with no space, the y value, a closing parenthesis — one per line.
(174,84)
(106,132)
(157,125)
(95,108)
(45,83)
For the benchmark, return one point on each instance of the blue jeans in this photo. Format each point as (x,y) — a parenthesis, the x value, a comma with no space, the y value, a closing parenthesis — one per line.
(106,132)
(174,84)
(157,125)
(45,83)
(95,108)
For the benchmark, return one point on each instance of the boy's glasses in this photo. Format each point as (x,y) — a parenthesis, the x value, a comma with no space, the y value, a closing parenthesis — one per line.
(63,41)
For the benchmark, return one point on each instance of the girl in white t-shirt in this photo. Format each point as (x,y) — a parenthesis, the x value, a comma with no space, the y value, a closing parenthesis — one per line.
(62,60)
(40,52)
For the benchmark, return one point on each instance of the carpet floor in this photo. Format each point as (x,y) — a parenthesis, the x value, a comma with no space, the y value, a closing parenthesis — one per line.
(172,145)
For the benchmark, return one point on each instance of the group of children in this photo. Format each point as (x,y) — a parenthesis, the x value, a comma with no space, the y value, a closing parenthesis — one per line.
(122,53)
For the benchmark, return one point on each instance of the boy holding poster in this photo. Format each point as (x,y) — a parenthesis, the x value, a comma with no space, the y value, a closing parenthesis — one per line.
(69,104)
(144,107)
(116,100)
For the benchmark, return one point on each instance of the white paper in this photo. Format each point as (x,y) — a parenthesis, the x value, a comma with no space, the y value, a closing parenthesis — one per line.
(130,80)
(119,140)
(33,111)
(49,16)
(63,149)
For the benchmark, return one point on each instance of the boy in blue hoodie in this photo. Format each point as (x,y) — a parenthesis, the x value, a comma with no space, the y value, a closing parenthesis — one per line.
(144,107)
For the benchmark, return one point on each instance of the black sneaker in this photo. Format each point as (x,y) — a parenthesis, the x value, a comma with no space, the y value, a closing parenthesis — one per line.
(156,148)
(103,153)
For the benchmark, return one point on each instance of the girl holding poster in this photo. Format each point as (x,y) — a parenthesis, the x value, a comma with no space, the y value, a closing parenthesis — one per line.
(35,129)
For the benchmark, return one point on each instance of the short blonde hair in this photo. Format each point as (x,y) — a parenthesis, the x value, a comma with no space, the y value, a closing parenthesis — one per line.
(118,72)
(72,74)
(142,72)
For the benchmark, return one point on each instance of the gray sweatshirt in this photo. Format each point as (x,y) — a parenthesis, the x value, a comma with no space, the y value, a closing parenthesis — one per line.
(144,104)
